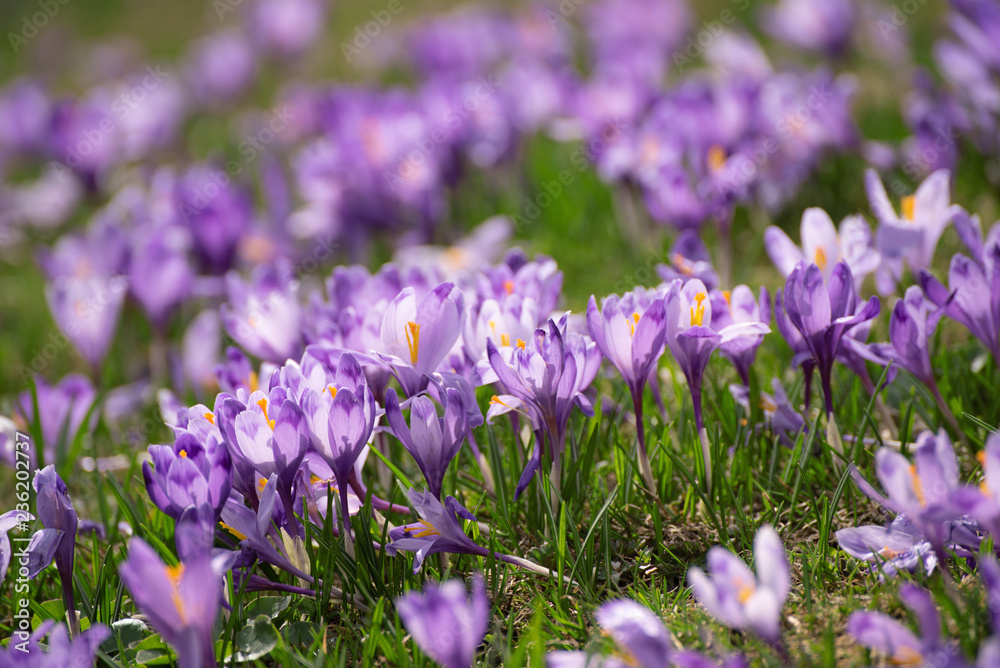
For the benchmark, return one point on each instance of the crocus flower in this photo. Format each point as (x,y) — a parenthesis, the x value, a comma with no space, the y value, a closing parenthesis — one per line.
(689,259)
(26,651)
(264,315)
(432,441)
(900,546)
(447,623)
(58,538)
(416,337)
(982,502)
(782,417)
(975,283)
(196,470)
(630,332)
(62,410)
(824,247)
(181,601)
(161,275)
(924,491)
(637,631)
(883,633)
(823,313)
(736,598)
(911,328)
(287,28)
(816,25)
(913,233)
(736,307)
(693,338)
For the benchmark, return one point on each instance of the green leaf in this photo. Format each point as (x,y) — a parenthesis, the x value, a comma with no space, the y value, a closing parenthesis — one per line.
(123,632)
(300,633)
(267,606)
(255,640)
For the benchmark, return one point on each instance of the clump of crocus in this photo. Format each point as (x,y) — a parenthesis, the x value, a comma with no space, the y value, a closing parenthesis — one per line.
(823,313)
(732,594)
(182,601)
(447,623)
(432,441)
(630,332)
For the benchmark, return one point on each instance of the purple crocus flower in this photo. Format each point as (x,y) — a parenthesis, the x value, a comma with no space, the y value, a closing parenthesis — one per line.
(432,441)
(181,601)
(417,336)
(815,25)
(217,212)
(881,632)
(220,66)
(736,307)
(630,332)
(975,283)
(547,376)
(195,471)
(438,530)
(900,546)
(161,277)
(264,315)
(62,410)
(9,520)
(689,259)
(693,338)
(823,313)
(911,328)
(824,247)
(982,502)
(736,598)
(913,234)
(60,651)
(58,539)
(447,623)
(782,417)
(287,28)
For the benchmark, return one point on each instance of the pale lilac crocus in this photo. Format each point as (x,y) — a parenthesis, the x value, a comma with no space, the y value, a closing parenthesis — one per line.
(446,622)
(899,546)
(732,594)
(736,307)
(823,246)
(630,331)
(912,235)
(263,314)
(823,313)
(418,335)
(64,409)
(883,633)
(689,259)
(432,441)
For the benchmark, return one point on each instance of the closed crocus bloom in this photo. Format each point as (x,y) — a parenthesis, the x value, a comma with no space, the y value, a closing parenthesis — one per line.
(735,307)
(631,332)
(911,328)
(446,622)
(432,441)
(182,601)
(57,541)
(196,470)
(883,633)
(263,314)
(417,336)
(823,313)
(732,594)
(824,247)
(912,234)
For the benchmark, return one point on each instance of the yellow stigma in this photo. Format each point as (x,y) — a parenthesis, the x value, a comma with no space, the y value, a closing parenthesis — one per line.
(520,344)
(918,487)
(208,416)
(428,531)
(908,206)
(682,264)
(261,484)
(632,322)
(496,400)
(232,531)
(889,553)
(906,656)
(746,590)
(413,340)
(768,405)
(716,158)
(174,575)
(263,406)
(508,287)
(728,295)
(183,454)
(333,391)
(252,382)
(821,259)
(698,312)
